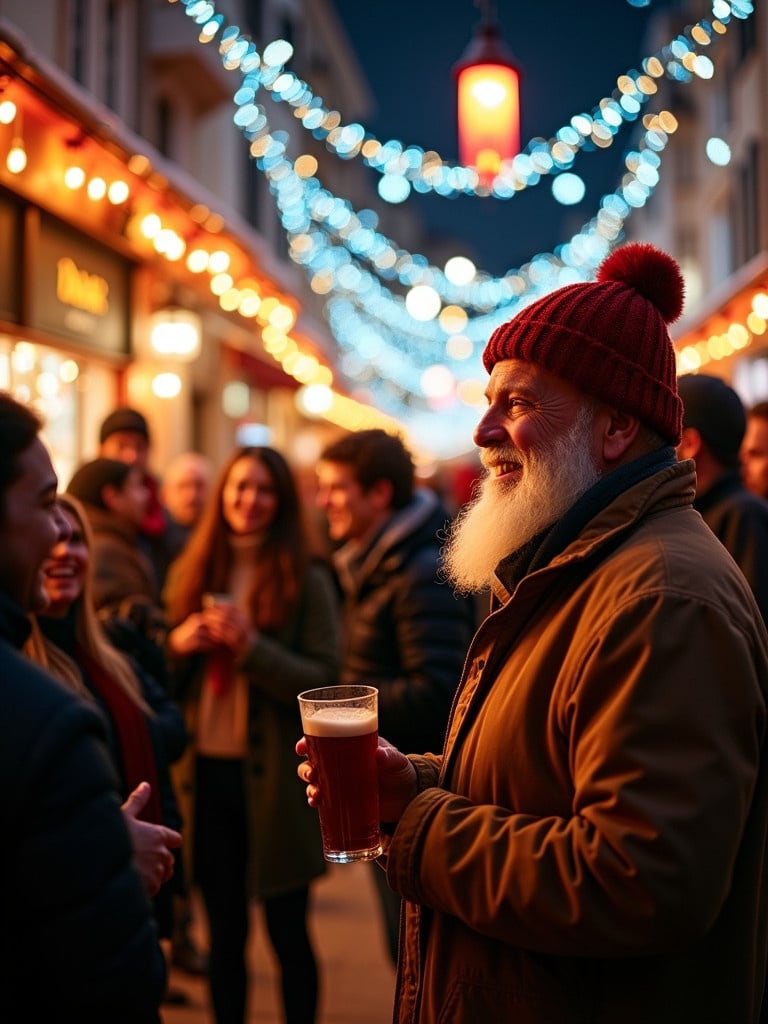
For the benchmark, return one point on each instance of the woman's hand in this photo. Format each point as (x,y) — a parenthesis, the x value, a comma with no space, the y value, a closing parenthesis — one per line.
(397,780)
(229,627)
(152,844)
(192,636)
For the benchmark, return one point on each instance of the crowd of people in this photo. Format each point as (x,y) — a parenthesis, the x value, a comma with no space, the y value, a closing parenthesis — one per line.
(573,781)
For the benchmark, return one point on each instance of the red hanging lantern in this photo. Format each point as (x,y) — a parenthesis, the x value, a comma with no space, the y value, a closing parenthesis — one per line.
(488,80)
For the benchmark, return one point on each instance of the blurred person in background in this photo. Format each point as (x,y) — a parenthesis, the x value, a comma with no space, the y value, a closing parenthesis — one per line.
(77,937)
(183,493)
(714,422)
(254,622)
(754,450)
(404,630)
(124,435)
(114,496)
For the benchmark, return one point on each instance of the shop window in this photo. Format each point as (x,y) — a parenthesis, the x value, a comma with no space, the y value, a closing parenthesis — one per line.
(253,10)
(164,120)
(685,165)
(287,30)
(102,51)
(721,104)
(687,249)
(111,55)
(720,247)
(748,204)
(78,40)
(253,180)
(745,38)
(54,384)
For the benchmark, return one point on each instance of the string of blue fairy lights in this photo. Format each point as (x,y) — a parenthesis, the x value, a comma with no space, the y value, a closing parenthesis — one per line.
(364,276)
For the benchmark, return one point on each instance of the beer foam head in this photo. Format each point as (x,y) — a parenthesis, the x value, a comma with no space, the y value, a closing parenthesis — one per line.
(338,721)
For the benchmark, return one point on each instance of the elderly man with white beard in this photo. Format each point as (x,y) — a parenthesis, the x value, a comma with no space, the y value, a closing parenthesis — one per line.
(590,844)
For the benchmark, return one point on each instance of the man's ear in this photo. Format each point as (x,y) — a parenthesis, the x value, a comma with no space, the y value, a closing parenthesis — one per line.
(619,434)
(690,443)
(380,493)
(110,495)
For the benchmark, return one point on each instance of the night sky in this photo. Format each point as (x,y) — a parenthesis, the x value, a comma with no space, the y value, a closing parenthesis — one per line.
(571,55)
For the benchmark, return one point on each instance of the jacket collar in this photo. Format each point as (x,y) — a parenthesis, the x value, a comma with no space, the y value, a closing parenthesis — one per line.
(355,561)
(604,514)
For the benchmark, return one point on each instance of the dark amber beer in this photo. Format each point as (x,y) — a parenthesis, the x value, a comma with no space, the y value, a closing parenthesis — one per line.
(341,728)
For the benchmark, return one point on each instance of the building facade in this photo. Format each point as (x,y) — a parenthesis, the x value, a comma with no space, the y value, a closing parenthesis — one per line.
(710,208)
(144,259)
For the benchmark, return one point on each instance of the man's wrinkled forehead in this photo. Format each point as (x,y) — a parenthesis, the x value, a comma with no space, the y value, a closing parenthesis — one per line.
(524,376)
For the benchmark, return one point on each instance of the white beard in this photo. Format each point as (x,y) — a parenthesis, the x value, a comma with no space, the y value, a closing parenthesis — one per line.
(506,514)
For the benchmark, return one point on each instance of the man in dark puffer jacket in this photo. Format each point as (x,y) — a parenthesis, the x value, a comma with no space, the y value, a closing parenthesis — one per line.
(404,631)
(77,940)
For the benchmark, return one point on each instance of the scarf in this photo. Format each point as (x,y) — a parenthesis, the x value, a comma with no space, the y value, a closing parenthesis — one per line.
(130,726)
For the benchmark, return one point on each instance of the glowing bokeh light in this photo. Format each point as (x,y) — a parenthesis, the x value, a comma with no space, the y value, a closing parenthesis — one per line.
(422,302)
(718,152)
(166,385)
(437,381)
(568,189)
(459,270)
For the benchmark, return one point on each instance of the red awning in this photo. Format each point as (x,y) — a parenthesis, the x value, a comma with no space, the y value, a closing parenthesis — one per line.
(259,373)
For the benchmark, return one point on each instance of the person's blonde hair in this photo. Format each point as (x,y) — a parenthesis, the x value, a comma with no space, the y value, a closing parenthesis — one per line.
(89,633)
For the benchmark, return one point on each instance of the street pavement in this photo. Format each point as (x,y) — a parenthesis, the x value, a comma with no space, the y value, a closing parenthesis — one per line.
(356,976)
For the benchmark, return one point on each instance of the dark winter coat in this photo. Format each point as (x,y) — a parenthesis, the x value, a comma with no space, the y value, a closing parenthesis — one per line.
(77,939)
(739,520)
(405,631)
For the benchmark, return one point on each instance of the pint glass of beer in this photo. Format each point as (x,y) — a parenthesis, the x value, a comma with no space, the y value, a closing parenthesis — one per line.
(340,725)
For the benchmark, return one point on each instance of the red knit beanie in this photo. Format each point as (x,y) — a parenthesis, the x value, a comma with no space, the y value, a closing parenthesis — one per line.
(608,337)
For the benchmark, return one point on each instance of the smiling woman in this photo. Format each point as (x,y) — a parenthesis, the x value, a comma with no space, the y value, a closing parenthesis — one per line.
(254,622)
(66,567)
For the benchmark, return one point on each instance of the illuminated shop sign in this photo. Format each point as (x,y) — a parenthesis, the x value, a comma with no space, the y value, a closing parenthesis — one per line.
(80,289)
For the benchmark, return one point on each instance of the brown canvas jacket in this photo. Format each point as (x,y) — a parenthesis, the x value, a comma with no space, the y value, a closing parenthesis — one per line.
(591,845)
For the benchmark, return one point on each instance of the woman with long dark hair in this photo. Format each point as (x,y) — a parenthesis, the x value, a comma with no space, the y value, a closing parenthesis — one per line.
(254,621)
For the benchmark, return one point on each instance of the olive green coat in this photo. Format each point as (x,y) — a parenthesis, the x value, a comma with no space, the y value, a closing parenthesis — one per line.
(285,846)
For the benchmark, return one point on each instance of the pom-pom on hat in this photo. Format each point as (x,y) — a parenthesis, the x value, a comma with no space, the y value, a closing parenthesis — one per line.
(608,337)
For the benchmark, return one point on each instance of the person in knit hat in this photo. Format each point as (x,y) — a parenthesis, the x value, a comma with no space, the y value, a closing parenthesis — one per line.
(124,435)
(589,844)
